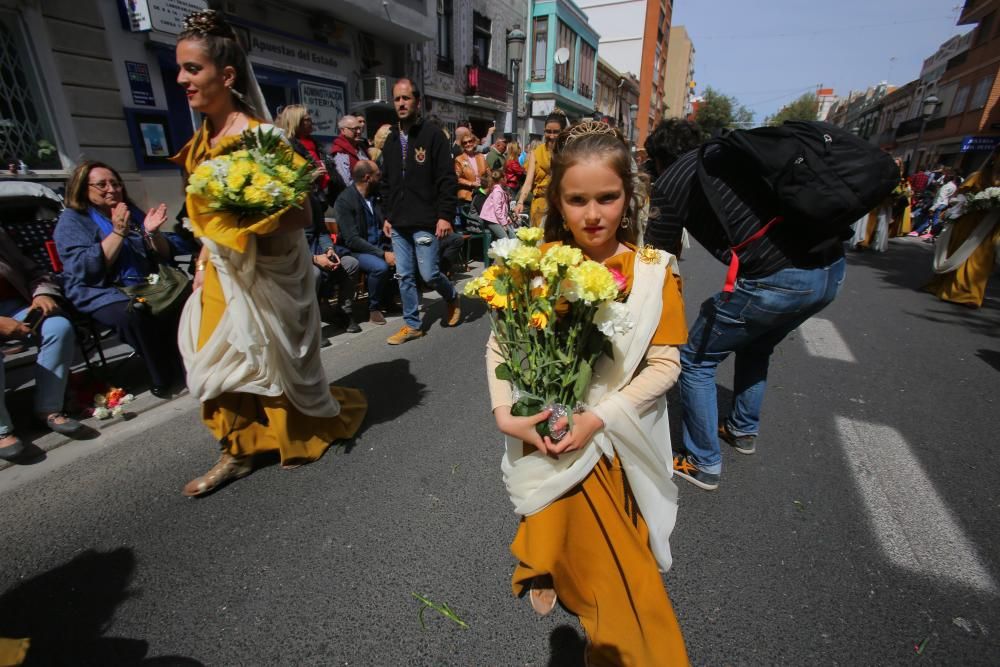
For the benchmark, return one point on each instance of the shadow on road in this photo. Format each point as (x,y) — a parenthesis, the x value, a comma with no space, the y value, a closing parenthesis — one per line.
(992,357)
(392,390)
(66,611)
(905,264)
(566,647)
(908,265)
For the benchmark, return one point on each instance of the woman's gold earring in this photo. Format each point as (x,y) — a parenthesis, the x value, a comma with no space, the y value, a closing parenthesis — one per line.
(626,221)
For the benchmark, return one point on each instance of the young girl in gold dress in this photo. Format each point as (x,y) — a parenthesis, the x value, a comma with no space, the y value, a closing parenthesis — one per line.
(598,506)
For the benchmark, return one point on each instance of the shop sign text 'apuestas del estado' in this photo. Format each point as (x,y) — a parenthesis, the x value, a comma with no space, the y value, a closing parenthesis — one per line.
(290,51)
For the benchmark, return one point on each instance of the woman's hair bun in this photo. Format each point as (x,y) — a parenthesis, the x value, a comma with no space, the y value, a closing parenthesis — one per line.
(207,22)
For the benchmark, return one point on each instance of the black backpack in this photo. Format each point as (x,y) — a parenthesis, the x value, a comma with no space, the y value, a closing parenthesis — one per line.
(821,175)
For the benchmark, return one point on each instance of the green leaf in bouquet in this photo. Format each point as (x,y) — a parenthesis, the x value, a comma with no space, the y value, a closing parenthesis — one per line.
(503,372)
(528,407)
(582,381)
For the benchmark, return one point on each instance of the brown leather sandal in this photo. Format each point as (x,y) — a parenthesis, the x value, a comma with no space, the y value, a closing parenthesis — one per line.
(542,596)
(227,469)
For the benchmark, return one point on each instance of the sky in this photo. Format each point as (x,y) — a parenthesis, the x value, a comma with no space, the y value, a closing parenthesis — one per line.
(765,53)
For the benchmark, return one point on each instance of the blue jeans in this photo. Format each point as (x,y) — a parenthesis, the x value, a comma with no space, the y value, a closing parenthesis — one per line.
(929,219)
(55,354)
(378,273)
(418,250)
(757,316)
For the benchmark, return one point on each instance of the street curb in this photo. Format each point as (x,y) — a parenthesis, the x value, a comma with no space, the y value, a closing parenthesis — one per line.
(146,402)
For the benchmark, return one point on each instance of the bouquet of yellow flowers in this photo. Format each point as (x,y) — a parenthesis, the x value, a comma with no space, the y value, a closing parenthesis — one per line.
(553,315)
(258,177)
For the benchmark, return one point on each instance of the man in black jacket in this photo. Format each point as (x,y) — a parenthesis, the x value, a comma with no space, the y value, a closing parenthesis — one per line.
(420,200)
(360,221)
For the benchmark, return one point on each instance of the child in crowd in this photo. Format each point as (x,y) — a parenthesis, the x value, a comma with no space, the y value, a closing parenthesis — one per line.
(593,536)
(496,209)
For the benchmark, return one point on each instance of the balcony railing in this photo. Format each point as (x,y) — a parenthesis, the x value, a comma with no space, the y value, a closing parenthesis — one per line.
(485,82)
(585,90)
(564,77)
(908,127)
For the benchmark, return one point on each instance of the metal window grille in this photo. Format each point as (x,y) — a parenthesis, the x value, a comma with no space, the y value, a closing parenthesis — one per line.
(23,124)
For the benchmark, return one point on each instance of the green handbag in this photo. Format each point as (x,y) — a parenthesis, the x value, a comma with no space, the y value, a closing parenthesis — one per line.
(163,292)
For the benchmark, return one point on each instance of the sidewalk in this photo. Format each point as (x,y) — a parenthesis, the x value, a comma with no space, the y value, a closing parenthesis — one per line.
(122,365)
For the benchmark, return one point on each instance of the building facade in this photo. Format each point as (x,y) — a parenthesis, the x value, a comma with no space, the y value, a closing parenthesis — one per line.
(966,126)
(561,63)
(98,79)
(616,93)
(465,69)
(635,35)
(678,79)
(825,99)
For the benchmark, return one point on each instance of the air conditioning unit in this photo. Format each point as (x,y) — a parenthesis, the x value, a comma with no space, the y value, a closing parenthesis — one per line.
(377,88)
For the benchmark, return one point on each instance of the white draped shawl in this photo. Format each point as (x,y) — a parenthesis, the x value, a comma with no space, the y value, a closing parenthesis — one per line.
(642,442)
(268,339)
(945,263)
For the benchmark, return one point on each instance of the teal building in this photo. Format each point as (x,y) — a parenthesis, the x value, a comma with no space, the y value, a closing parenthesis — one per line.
(561,68)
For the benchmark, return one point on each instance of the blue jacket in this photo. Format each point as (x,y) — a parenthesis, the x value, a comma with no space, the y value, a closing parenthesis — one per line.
(88,281)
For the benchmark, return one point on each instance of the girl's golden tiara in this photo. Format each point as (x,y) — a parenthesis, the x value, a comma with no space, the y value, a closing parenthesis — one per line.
(587,128)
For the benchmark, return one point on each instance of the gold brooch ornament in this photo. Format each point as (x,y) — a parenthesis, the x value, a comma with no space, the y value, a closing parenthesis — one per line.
(649,255)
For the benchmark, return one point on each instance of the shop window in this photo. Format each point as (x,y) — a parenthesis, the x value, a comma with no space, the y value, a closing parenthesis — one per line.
(445,52)
(981,93)
(25,126)
(482,36)
(540,52)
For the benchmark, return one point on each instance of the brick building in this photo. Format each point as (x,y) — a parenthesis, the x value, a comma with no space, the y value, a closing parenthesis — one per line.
(634,38)
(678,79)
(966,127)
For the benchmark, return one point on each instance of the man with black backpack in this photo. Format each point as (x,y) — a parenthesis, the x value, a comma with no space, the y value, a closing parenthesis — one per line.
(786,263)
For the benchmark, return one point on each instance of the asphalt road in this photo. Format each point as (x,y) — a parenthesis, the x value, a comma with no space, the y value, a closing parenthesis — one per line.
(864,529)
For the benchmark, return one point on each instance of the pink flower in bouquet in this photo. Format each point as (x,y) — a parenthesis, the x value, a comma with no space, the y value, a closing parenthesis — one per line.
(620,279)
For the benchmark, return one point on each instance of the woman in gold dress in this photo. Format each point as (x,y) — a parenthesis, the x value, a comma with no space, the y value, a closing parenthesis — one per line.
(965,254)
(538,170)
(250,334)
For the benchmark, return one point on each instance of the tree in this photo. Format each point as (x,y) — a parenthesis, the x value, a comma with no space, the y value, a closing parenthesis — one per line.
(717,111)
(804,108)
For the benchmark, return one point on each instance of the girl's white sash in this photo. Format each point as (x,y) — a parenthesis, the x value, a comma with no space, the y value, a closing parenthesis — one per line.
(641,441)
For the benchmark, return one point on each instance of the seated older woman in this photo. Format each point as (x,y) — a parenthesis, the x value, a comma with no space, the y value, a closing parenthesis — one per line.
(105,243)
(29,310)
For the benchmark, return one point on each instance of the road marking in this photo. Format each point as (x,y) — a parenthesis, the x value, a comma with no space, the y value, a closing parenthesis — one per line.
(823,340)
(915,528)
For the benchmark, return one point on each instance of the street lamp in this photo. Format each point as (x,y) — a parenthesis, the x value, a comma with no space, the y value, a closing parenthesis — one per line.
(927,109)
(633,112)
(515,53)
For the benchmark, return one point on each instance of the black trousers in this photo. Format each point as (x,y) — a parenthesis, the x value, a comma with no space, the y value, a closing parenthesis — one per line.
(154,338)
